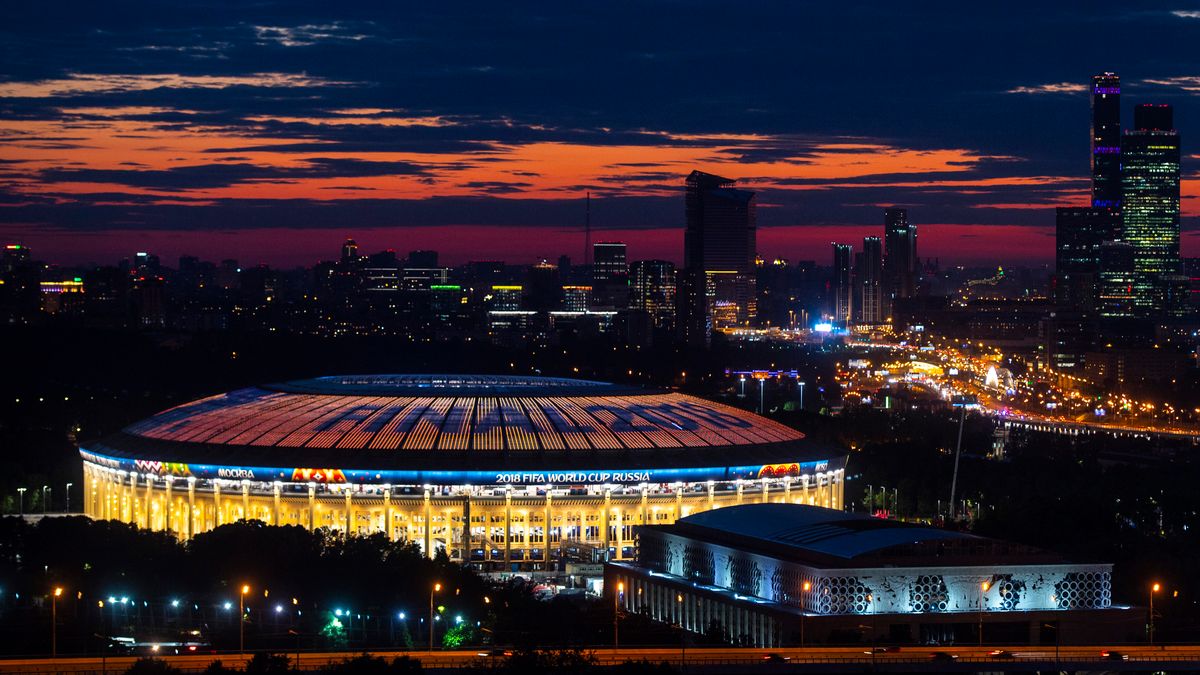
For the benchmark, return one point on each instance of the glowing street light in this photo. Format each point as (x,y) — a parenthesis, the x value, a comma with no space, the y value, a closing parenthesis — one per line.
(983,588)
(437,586)
(242,618)
(58,591)
(1153,589)
(616,610)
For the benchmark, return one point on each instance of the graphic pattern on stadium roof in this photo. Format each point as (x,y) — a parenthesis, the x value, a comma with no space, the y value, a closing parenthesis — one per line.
(438,412)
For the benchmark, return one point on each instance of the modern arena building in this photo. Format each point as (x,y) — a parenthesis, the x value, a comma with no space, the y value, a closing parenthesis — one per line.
(497,470)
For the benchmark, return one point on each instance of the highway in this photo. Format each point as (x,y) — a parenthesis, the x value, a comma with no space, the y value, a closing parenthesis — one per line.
(720,660)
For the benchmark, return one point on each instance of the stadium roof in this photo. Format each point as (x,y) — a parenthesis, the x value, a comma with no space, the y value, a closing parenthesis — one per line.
(475,421)
(825,536)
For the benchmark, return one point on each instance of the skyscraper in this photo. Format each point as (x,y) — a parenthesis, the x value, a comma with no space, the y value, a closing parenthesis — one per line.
(652,286)
(841,293)
(1116,280)
(610,274)
(718,255)
(900,268)
(349,251)
(1150,204)
(1106,141)
(869,282)
(1078,234)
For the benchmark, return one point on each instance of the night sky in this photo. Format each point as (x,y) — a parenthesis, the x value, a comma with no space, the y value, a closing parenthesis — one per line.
(269,131)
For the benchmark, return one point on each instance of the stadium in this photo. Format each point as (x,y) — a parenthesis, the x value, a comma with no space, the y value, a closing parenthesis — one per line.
(503,471)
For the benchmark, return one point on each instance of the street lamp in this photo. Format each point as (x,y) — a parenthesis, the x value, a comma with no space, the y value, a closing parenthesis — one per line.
(242,618)
(69,497)
(21,501)
(802,394)
(983,588)
(682,632)
(437,586)
(617,611)
(804,609)
(1153,589)
(58,591)
(45,497)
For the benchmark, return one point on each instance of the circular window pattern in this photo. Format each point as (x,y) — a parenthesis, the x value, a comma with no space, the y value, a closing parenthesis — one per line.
(928,593)
(1083,590)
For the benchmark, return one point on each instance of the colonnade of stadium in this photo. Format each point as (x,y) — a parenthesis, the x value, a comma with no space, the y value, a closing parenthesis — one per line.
(505,523)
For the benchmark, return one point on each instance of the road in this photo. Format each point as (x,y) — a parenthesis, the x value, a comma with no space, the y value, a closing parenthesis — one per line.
(716,660)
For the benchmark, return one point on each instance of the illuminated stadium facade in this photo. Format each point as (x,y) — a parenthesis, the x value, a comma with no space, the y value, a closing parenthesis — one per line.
(498,470)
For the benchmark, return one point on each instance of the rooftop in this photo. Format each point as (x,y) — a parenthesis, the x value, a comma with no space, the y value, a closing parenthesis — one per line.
(826,536)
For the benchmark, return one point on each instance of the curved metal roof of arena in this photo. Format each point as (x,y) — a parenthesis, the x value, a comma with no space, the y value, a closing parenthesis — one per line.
(455,422)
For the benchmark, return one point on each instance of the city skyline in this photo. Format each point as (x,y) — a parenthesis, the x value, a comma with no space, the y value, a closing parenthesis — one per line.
(258,126)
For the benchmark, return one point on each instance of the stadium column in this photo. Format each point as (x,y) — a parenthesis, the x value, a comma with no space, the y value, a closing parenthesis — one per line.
(739,491)
(275,503)
(147,500)
(507,526)
(191,520)
(606,522)
(387,512)
(217,502)
(131,498)
(245,499)
(466,526)
(170,481)
(312,506)
(787,489)
(645,504)
(428,529)
(349,514)
(711,495)
(546,531)
(679,502)
(766,497)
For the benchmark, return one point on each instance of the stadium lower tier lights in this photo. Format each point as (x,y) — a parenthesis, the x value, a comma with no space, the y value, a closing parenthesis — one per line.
(498,470)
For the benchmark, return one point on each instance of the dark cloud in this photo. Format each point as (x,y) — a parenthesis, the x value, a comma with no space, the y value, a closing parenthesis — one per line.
(992,79)
(222,175)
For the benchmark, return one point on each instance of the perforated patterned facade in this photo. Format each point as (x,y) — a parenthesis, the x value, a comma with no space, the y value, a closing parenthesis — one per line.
(769,566)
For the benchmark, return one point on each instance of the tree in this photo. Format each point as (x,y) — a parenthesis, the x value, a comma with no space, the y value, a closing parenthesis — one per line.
(151,667)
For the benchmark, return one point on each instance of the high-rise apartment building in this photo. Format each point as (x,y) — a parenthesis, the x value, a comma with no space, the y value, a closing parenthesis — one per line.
(868,282)
(841,290)
(610,274)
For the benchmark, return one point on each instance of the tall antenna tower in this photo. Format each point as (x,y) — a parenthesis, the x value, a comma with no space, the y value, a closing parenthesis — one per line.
(587,229)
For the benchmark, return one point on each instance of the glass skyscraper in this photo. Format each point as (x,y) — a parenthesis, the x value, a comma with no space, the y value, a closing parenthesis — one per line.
(1150,204)
(900,266)
(718,256)
(1106,141)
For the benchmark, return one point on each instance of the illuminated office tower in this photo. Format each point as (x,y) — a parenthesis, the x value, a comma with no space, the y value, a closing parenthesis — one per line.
(652,283)
(1150,204)
(841,293)
(610,274)
(718,256)
(900,265)
(869,282)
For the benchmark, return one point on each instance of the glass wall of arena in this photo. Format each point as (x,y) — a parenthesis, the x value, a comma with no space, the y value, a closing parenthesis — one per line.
(531,525)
